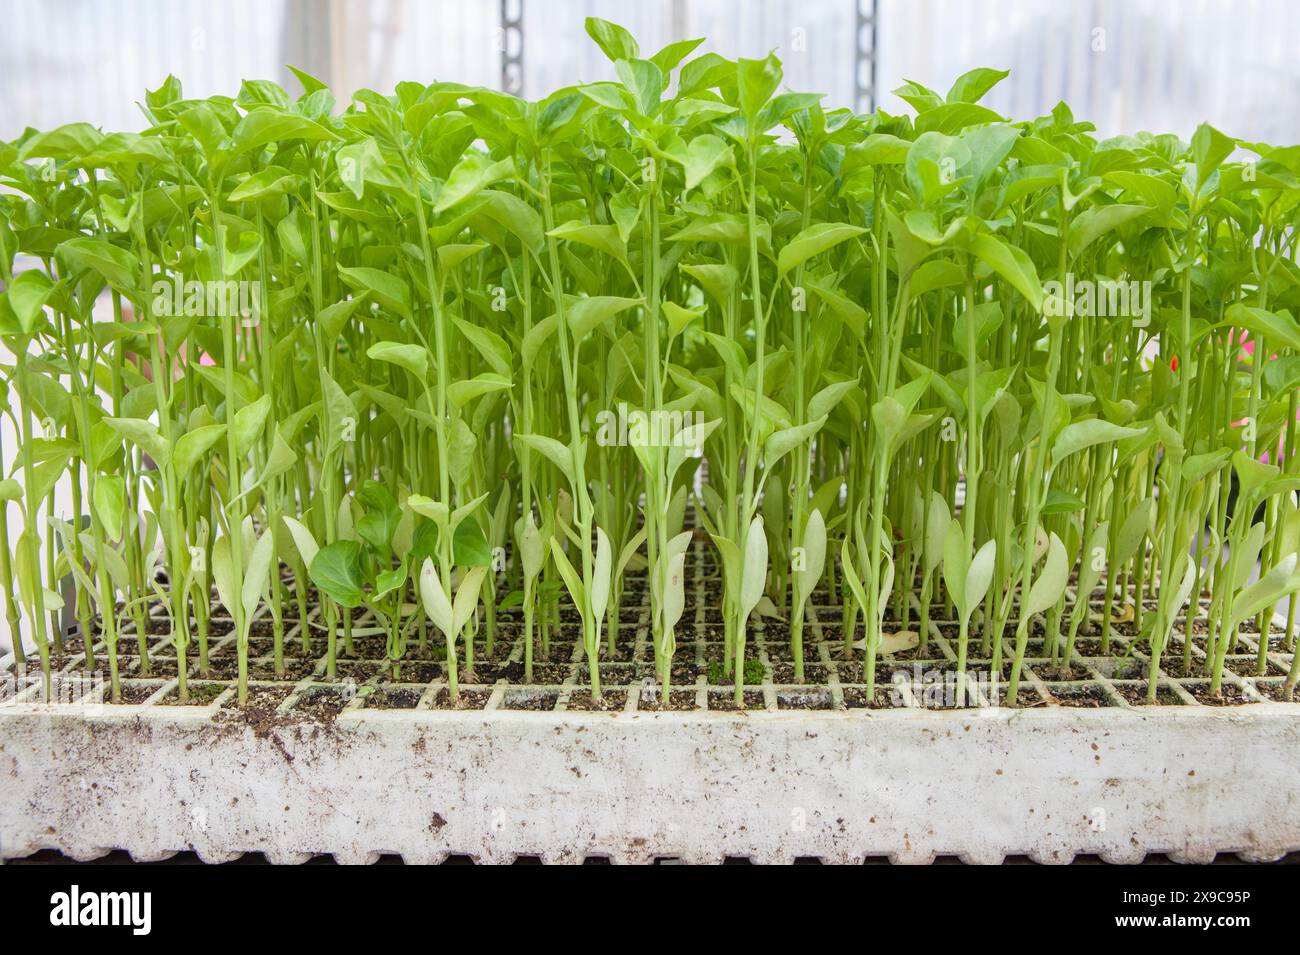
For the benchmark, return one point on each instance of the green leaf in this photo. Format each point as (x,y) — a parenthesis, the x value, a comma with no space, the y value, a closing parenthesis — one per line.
(757,80)
(388,290)
(971,86)
(472,174)
(461,393)
(814,548)
(1279,582)
(336,572)
(679,317)
(782,442)
(703,155)
(645,81)
(303,540)
(553,450)
(1274,327)
(437,603)
(1012,264)
(754,568)
(532,548)
(1251,474)
(936,531)
(27,295)
(614,41)
(1050,583)
(571,578)
(145,436)
(387,581)
(414,358)
(488,343)
(266,125)
(118,267)
(1082,435)
(1133,531)
(1092,224)
(110,503)
(257,574)
(516,215)
(379,521)
(192,445)
(980,573)
(601,576)
(956,567)
(603,238)
(1209,149)
(223,574)
(587,314)
(354,161)
(813,241)
(828,399)
(248,424)
(467,597)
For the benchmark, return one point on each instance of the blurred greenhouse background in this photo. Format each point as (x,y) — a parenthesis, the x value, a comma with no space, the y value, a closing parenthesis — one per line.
(1125,64)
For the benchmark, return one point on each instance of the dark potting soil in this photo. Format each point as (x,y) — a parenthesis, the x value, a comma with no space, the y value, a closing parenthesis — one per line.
(678,700)
(320,705)
(393,698)
(1055,672)
(1136,694)
(259,709)
(810,699)
(1229,694)
(1087,696)
(470,699)
(610,701)
(200,694)
(725,700)
(855,698)
(1274,690)
(537,700)
(1249,666)
(133,693)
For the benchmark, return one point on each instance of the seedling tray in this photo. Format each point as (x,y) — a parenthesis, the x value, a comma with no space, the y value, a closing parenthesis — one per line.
(366,766)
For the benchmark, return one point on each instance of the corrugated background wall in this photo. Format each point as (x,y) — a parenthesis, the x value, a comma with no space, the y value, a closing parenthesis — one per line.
(1164,64)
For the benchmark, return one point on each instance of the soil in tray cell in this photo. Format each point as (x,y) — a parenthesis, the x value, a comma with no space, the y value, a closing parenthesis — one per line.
(810,699)
(135,692)
(1086,695)
(1249,666)
(611,701)
(471,698)
(320,704)
(200,694)
(538,700)
(678,700)
(1273,689)
(393,698)
(726,700)
(855,698)
(489,673)
(1229,694)
(260,707)
(1056,672)
(545,673)
(1136,694)
(294,670)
